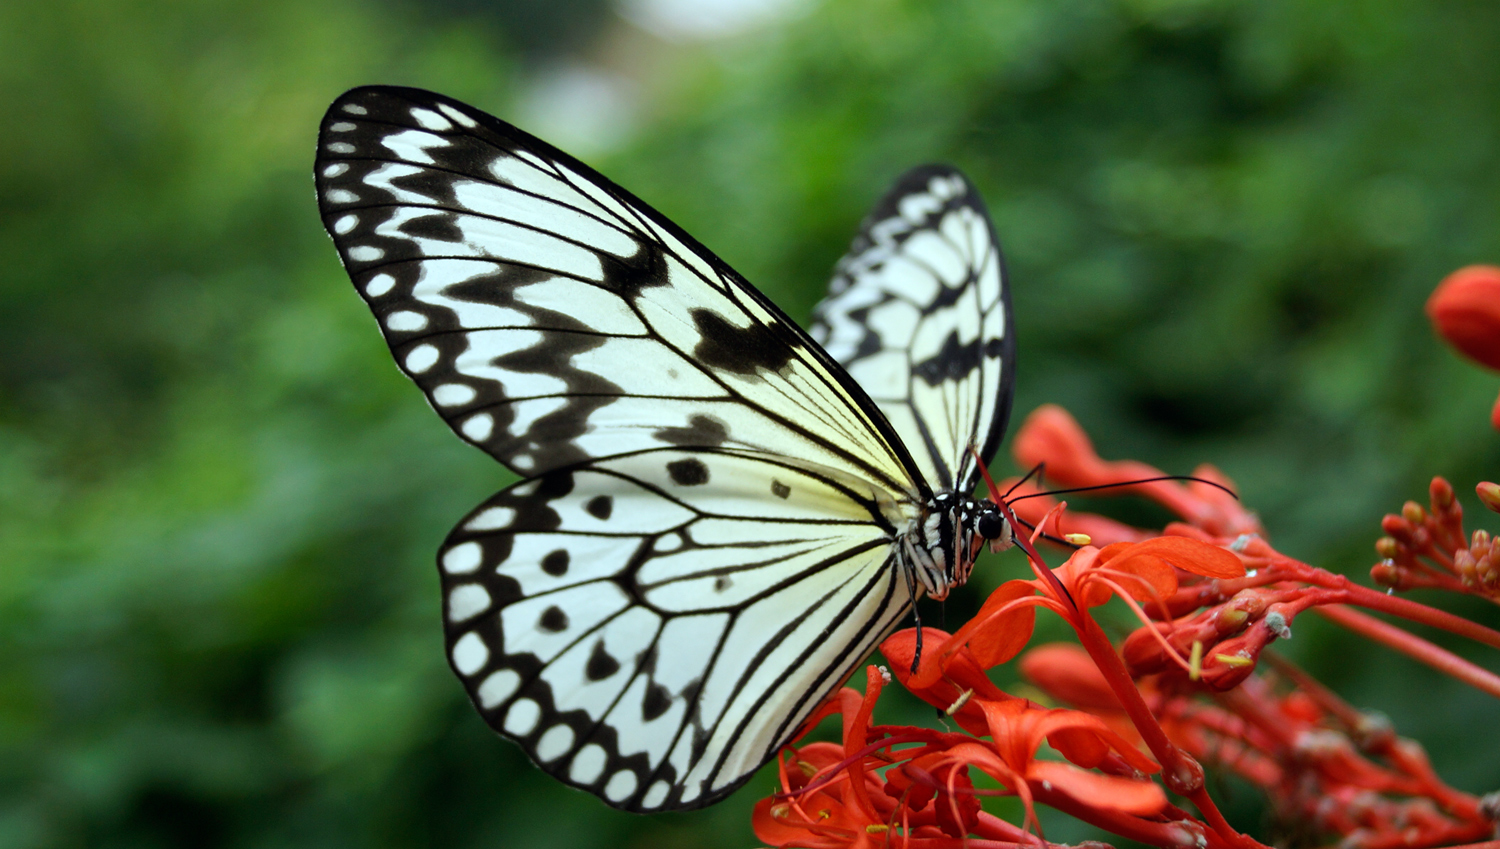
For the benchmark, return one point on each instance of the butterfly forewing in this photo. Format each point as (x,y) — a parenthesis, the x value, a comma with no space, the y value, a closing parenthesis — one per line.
(919,314)
(551,318)
(652,627)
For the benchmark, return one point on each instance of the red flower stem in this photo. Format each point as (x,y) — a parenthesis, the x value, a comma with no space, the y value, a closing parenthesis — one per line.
(1394,605)
(1414,647)
(1407,609)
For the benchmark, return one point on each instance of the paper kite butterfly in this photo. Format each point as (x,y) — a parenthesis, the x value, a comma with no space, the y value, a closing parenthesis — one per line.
(721,515)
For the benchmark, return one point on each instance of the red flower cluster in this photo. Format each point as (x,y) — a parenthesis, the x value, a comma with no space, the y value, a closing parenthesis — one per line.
(1428,548)
(1211,594)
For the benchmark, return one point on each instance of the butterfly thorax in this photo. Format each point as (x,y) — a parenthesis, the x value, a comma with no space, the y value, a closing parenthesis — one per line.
(940,545)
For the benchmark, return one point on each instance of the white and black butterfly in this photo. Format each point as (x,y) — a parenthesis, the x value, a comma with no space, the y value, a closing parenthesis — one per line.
(720,516)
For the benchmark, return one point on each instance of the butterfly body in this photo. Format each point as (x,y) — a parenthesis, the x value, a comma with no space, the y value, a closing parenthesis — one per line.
(720,514)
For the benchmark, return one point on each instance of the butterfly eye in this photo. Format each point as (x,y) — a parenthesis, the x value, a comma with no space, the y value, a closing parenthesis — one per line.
(991,525)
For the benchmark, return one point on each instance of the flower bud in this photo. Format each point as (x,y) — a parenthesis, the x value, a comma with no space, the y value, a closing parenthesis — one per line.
(1489,495)
(1412,512)
(1467,568)
(1465,310)
(1388,574)
(1399,529)
(1442,493)
(1487,569)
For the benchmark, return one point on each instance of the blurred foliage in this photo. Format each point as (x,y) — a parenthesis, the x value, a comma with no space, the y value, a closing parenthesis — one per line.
(219,502)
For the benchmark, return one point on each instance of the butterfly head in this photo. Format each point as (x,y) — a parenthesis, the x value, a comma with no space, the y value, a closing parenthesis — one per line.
(941,548)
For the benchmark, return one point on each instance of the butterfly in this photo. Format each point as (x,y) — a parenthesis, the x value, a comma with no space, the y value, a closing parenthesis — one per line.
(720,514)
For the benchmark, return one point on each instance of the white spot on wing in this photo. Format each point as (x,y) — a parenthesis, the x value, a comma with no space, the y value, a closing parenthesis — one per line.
(341,196)
(340,147)
(365,253)
(345,224)
(405,321)
(463,558)
(479,428)
(430,120)
(355,109)
(656,795)
(466,601)
(421,358)
(620,786)
(588,764)
(470,654)
(453,394)
(458,117)
(341,127)
(522,717)
(498,687)
(335,169)
(557,741)
(492,519)
(379,285)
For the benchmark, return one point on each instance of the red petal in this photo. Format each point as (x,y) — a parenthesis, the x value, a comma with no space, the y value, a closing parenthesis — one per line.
(1126,795)
(1186,554)
(1000,636)
(1065,672)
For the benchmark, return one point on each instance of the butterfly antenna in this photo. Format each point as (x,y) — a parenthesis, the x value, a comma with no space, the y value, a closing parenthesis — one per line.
(1214,484)
(1036,472)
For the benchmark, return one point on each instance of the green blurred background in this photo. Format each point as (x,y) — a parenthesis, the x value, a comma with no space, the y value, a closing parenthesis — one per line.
(219,502)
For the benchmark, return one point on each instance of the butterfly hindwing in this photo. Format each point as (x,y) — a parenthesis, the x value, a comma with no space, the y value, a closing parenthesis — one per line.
(919,313)
(652,627)
(551,318)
